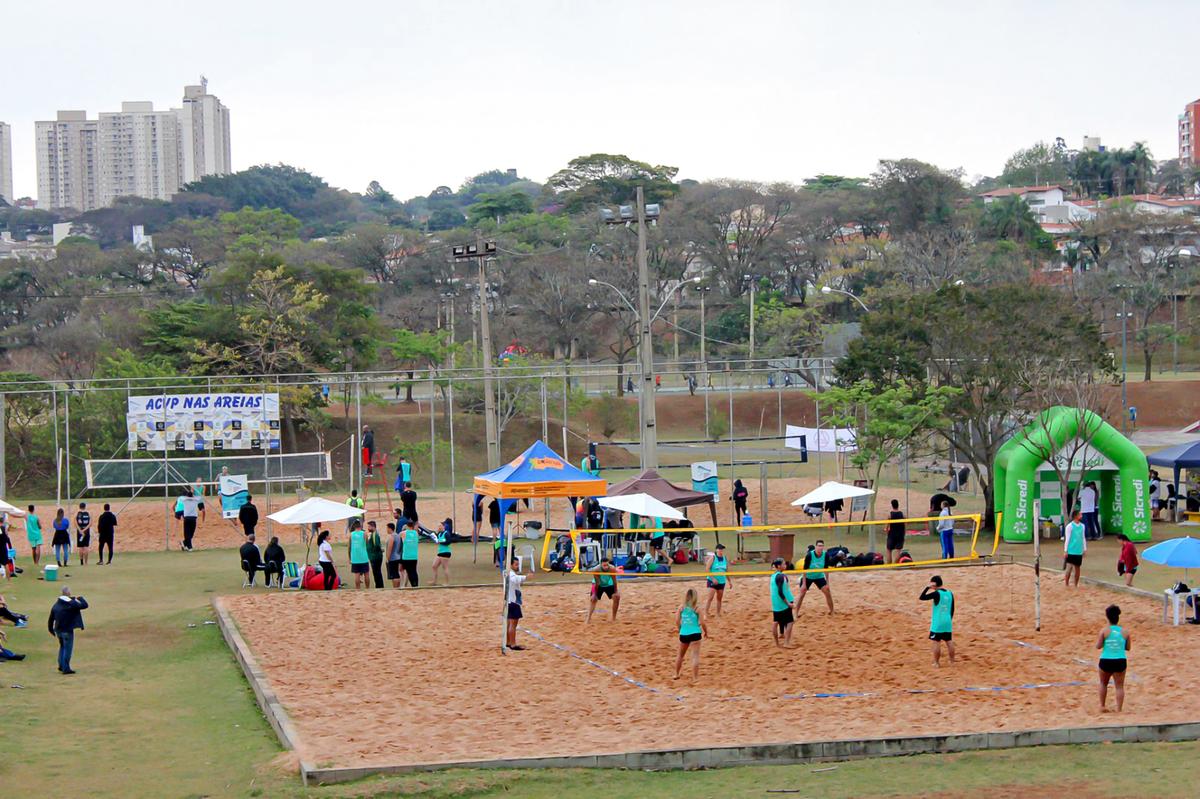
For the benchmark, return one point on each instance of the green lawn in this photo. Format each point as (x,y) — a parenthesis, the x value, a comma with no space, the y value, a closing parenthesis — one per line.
(159,708)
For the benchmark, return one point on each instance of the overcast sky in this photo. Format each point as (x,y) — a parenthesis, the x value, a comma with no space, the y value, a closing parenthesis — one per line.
(416,94)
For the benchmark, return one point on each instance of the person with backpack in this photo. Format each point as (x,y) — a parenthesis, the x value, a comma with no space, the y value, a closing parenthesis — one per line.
(782,619)
(1074,545)
(604,583)
(941,622)
(1114,644)
(717,565)
(815,576)
(692,628)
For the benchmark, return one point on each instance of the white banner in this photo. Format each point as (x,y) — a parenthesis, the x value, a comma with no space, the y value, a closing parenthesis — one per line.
(824,440)
(199,422)
(234,491)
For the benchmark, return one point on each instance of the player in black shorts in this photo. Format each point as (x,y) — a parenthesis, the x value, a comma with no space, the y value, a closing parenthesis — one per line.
(604,583)
(782,619)
(895,533)
(815,575)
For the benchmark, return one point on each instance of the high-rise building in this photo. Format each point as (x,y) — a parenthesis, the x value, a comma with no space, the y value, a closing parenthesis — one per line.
(1189,128)
(68,164)
(6,189)
(203,134)
(137,151)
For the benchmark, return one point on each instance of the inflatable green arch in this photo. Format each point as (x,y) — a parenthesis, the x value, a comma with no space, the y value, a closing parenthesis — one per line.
(1118,467)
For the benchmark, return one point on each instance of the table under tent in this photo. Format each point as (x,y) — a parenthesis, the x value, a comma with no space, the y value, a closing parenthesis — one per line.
(1094,450)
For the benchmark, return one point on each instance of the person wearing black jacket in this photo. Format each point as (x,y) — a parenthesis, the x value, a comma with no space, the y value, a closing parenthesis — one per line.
(65,618)
(273,560)
(251,558)
(895,533)
(248,516)
(740,496)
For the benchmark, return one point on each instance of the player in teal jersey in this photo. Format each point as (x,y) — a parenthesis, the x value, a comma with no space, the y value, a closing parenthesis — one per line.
(1114,644)
(692,627)
(604,583)
(718,565)
(941,623)
(782,619)
(815,576)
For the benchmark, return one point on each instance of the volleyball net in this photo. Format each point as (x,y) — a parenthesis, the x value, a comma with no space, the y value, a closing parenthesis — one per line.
(143,472)
(849,546)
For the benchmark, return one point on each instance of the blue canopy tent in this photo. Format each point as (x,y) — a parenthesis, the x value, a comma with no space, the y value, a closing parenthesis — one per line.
(537,473)
(1177,458)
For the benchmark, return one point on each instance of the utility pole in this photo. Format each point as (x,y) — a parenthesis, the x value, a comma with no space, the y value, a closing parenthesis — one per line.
(3,451)
(675,329)
(481,254)
(752,287)
(649,415)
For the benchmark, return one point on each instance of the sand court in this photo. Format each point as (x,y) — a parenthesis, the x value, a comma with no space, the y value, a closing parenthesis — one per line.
(373,678)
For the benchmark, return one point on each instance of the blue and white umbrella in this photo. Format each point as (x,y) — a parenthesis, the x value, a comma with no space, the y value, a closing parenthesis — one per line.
(1181,553)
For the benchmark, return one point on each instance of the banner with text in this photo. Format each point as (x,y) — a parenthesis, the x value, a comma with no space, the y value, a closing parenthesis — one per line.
(199,422)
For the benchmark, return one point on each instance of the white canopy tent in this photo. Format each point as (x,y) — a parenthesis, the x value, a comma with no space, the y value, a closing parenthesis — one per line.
(315,509)
(6,508)
(642,504)
(831,490)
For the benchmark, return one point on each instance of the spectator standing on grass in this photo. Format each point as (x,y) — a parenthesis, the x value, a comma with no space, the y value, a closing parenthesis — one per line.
(106,527)
(62,538)
(895,533)
(248,516)
(945,528)
(33,535)
(409,553)
(1127,562)
(1088,500)
(513,581)
(1155,495)
(325,560)
(83,533)
(360,563)
(408,503)
(6,565)
(935,509)
(395,553)
(1074,545)
(66,616)
(375,553)
(191,512)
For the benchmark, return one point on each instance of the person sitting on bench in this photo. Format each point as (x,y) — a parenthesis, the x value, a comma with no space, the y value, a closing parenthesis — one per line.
(251,559)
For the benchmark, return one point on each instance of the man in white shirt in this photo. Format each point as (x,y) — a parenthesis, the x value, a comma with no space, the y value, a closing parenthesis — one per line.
(513,581)
(191,510)
(1088,500)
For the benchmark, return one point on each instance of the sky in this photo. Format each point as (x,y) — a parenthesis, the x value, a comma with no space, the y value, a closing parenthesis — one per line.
(417,94)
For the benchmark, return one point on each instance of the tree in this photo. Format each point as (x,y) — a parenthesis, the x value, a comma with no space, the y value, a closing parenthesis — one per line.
(601,178)
(498,205)
(445,218)
(413,351)
(188,249)
(1010,218)
(976,339)
(27,407)
(913,194)
(1040,164)
(885,420)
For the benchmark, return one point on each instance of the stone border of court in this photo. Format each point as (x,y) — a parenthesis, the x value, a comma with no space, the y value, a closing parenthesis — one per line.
(791,753)
(268,702)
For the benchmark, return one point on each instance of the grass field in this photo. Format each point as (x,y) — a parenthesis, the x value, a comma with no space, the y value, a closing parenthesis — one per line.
(159,708)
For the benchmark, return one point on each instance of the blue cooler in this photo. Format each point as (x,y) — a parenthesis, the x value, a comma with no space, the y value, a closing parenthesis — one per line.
(747,520)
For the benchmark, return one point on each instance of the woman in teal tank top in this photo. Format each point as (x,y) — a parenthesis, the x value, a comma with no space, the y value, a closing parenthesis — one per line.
(717,565)
(1114,644)
(692,627)
(442,562)
(360,561)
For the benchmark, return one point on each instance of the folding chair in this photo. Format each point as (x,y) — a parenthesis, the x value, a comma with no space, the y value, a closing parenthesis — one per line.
(248,574)
(291,576)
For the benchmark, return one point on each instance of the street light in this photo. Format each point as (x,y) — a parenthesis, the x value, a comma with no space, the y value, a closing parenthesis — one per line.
(750,278)
(482,253)
(832,290)
(646,398)
(641,212)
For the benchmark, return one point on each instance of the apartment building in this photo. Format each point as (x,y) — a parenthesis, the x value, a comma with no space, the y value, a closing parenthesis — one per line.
(137,151)
(1189,128)
(68,161)
(6,181)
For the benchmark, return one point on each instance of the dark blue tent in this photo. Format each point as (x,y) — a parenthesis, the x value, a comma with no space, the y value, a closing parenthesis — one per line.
(1177,458)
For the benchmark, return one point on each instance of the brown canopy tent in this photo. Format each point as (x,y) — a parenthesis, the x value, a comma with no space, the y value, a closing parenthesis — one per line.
(649,482)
